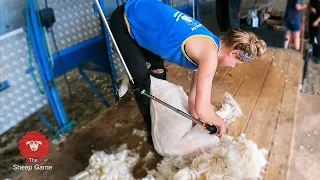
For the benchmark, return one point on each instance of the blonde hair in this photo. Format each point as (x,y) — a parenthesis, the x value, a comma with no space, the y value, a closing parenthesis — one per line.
(247,42)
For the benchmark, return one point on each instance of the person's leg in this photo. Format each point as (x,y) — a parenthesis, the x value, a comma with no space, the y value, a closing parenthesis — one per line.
(286,43)
(234,13)
(316,45)
(296,31)
(222,13)
(297,40)
(311,30)
(287,24)
(135,62)
(157,67)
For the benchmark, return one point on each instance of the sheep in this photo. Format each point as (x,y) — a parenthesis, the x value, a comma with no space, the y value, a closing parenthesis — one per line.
(189,152)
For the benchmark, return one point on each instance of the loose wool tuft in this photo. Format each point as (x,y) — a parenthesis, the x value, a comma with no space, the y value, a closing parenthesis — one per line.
(140,133)
(230,109)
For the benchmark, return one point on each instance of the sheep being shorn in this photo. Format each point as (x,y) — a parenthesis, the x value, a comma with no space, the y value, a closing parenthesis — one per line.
(175,135)
(189,152)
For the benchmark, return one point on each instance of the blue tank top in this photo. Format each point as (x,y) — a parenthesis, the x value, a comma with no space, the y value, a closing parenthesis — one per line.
(164,30)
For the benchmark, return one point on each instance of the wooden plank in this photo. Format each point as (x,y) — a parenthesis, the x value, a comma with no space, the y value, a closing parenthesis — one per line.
(182,76)
(220,73)
(262,123)
(230,83)
(249,91)
(179,76)
(282,142)
(303,160)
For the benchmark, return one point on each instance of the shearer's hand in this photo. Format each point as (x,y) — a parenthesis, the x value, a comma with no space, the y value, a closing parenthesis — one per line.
(219,123)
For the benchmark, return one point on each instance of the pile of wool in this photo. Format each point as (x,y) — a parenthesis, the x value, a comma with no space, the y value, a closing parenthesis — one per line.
(116,165)
(238,159)
(233,159)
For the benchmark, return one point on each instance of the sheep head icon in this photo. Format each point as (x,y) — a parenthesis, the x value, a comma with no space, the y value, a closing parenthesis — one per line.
(33,145)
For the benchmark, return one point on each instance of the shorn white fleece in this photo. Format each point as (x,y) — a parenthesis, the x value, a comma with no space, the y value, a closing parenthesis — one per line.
(189,152)
(174,134)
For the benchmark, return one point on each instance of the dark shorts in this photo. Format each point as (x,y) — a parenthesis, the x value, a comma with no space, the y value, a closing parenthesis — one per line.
(293,25)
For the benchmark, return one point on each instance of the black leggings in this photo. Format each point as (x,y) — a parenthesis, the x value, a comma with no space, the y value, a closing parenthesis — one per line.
(136,58)
(314,33)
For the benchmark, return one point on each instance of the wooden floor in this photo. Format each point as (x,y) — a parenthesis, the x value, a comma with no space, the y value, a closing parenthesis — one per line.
(267,91)
(306,147)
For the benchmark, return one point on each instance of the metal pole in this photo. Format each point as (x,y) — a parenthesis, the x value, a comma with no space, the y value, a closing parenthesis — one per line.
(113,40)
(172,108)
(205,125)
(49,47)
(193,9)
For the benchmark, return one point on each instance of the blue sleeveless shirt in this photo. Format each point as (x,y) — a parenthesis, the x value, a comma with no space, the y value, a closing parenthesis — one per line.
(164,30)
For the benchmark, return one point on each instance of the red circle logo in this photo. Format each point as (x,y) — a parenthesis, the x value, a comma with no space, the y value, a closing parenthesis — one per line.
(33,145)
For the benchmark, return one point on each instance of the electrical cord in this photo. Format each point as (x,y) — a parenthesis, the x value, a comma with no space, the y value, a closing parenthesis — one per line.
(59,57)
(60,63)
(29,53)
